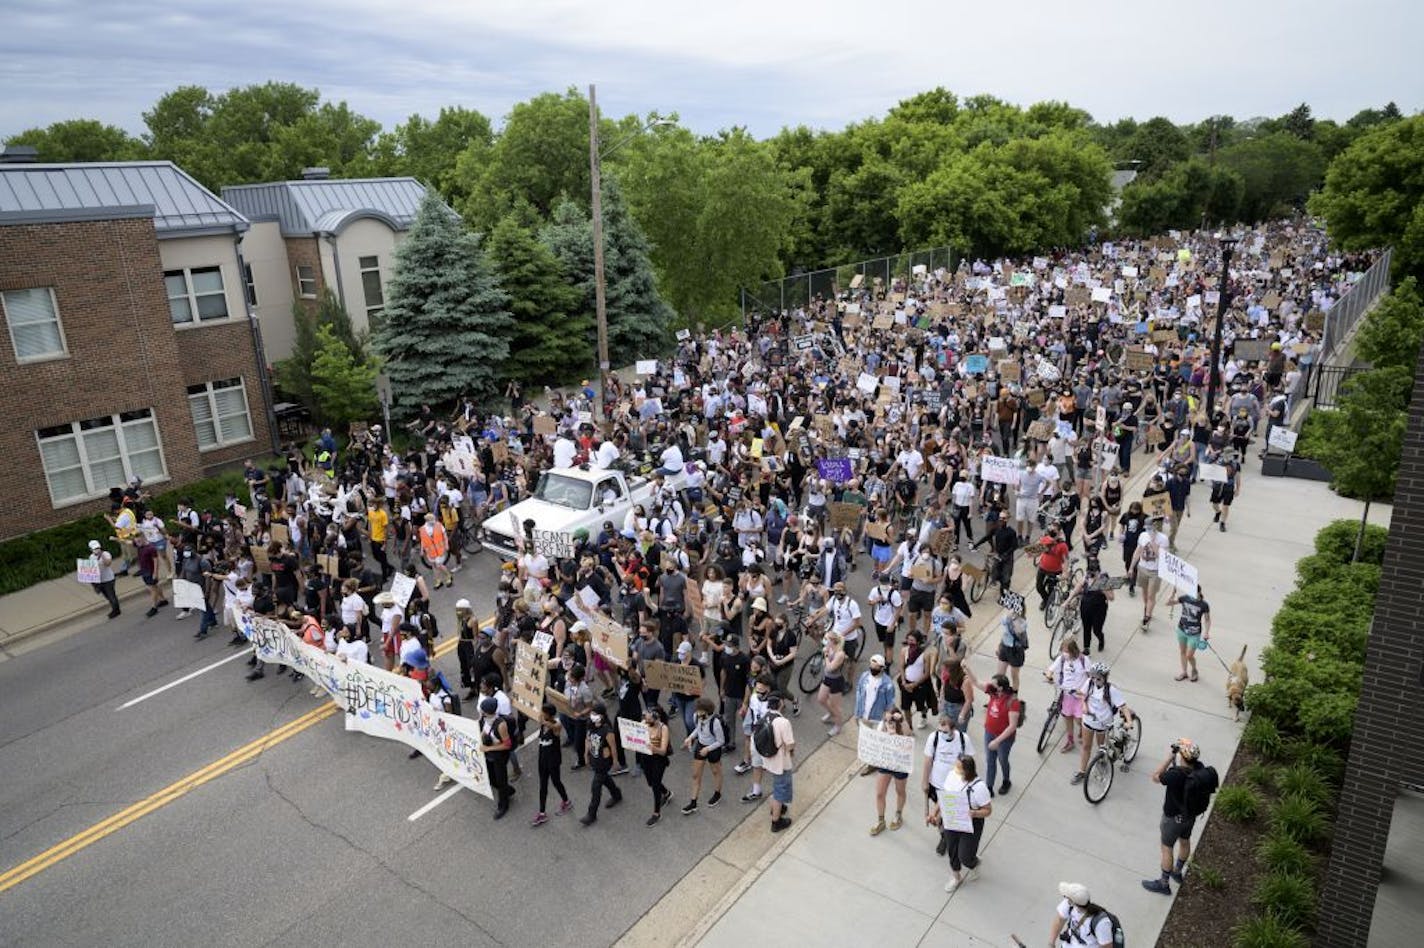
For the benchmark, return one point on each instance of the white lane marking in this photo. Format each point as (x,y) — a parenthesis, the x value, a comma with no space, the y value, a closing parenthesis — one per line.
(456,789)
(434,803)
(185,678)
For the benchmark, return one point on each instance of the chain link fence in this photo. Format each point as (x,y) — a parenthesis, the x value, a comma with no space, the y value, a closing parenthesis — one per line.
(799,289)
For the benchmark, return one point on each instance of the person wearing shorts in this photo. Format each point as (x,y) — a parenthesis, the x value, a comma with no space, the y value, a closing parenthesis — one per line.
(752,713)
(1069,673)
(1224,492)
(1146,561)
(1193,630)
(705,742)
(780,766)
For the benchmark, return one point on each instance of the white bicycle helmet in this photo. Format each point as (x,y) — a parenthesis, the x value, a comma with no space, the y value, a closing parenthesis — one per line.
(1100,668)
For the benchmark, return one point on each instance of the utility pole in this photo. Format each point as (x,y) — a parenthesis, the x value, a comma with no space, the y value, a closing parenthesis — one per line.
(599,292)
(1228,245)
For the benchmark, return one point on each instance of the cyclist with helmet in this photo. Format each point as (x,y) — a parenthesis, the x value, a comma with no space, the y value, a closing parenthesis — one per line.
(1102,703)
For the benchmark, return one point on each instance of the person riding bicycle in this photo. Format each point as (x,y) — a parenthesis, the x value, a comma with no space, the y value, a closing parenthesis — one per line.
(1003,540)
(1052,555)
(1103,702)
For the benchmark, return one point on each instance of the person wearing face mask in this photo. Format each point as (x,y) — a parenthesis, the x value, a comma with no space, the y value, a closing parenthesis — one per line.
(599,748)
(887,604)
(964,805)
(874,696)
(894,723)
(655,762)
(497,742)
(706,742)
(1002,716)
(942,749)
(846,622)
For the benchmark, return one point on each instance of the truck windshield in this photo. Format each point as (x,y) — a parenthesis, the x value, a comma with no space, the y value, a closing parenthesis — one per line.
(564,491)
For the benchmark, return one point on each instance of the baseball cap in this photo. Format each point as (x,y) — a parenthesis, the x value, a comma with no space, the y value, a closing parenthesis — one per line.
(877,661)
(462,603)
(1074,892)
(684,649)
(95,545)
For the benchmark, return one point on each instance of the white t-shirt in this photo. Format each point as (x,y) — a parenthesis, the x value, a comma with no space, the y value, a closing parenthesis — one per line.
(962,493)
(977,792)
(606,456)
(941,751)
(564,452)
(912,461)
(351,608)
(1151,544)
(1098,713)
(672,458)
(1083,929)
(846,614)
(885,604)
(354,651)
(1074,673)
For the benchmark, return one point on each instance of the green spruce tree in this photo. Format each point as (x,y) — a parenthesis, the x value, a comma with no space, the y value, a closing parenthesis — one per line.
(446,324)
(294,373)
(569,236)
(639,320)
(551,343)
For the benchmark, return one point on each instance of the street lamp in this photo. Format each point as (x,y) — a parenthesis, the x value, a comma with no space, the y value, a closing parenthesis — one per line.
(599,289)
(1228,246)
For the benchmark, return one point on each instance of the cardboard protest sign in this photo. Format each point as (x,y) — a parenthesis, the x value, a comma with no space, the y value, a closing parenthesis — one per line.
(1179,573)
(87,571)
(1136,360)
(260,562)
(545,425)
(1077,296)
(1283,439)
(633,735)
(1315,321)
(857,281)
(1036,397)
(330,564)
(554,544)
(893,752)
(531,676)
(1213,473)
(867,383)
(188,595)
(673,677)
(997,470)
(280,534)
(608,639)
(883,321)
(1041,430)
(844,516)
(942,542)
(1163,335)
(1252,350)
(1156,506)
(1009,370)
(402,587)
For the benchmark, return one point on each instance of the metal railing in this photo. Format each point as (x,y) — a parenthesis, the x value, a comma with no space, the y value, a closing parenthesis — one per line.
(799,289)
(1342,317)
(1325,381)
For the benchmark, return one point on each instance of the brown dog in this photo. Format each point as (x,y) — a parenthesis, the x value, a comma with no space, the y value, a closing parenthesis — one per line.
(1237,678)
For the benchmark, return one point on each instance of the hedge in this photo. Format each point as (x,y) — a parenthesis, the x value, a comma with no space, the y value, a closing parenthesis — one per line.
(50,553)
(1303,713)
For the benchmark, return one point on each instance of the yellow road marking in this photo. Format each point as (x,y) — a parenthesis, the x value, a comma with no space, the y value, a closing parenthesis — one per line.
(136,811)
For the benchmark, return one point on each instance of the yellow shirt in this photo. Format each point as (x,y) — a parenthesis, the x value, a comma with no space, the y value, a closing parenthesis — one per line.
(379,520)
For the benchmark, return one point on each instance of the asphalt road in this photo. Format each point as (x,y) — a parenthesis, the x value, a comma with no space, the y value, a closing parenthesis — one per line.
(308,841)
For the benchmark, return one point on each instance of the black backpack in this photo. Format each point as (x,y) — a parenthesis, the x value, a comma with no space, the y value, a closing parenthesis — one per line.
(1196,793)
(1094,912)
(764,737)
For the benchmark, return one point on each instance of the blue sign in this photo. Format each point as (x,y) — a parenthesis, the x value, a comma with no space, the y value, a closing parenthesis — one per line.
(976,364)
(835,470)
(1064,429)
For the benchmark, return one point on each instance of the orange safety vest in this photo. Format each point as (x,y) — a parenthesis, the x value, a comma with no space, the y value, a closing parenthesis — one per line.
(433,542)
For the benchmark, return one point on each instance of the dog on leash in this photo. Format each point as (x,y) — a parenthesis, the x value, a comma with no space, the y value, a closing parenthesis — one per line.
(1237,678)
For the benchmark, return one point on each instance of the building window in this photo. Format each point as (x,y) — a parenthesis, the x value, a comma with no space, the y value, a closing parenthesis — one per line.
(371,284)
(195,295)
(306,281)
(220,413)
(249,285)
(84,459)
(33,317)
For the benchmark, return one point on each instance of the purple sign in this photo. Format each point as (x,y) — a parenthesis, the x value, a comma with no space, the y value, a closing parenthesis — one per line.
(835,470)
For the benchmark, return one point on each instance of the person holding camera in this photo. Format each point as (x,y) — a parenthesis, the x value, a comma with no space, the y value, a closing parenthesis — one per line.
(1189,785)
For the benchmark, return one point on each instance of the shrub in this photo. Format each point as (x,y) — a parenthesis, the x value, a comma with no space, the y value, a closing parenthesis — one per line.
(1331,718)
(1281,853)
(1337,541)
(1304,781)
(1326,761)
(1300,818)
(1288,897)
(1259,775)
(1238,803)
(1268,931)
(1262,735)
(1209,877)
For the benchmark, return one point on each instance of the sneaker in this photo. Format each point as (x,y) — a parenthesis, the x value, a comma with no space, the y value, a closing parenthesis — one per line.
(689,808)
(878,828)
(1176,875)
(443,781)
(539,819)
(652,820)
(1221,527)
(742,768)
(566,806)
(751,796)
(254,675)
(781,824)
(612,802)
(833,730)
(867,770)
(164,602)
(667,797)
(413,755)
(1157,885)
(182,614)
(826,718)
(951,885)
(1216,517)
(897,822)
(618,771)
(588,820)
(969,876)
(1005,788)
(1078,778)
(151,613)
(237,640)
(713,800)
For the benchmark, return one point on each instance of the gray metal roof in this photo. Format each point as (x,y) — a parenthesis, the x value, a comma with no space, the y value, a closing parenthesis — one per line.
(328,205)
(180,205)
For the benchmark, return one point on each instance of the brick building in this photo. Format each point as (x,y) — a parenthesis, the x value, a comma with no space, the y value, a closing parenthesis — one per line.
(128,349)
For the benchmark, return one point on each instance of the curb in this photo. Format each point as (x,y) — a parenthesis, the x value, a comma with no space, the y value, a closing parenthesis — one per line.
(49,625)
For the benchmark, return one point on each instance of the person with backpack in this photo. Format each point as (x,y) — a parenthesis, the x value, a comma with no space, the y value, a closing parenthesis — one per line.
(707,741)
(942,749)
(1003,716)
(497,740)
(1069,673)
(961,830)
(776,744)
(1189,785)
(655,762)
(1102,703)
(1081,921)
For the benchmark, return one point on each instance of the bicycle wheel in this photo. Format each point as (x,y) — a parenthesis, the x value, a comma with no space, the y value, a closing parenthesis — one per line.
(1056,633)
(1100,778)
(472,543)
(1132,741)
(979,585)
(1050,724)
(811,669)
(1054,611)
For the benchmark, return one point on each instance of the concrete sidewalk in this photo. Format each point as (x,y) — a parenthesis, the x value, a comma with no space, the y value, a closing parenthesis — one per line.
(58,602)
(829,878)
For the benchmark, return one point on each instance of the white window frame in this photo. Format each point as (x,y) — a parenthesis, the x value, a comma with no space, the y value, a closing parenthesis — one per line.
(209,394)
(302,282)
(63,352)
(193,296)
(76,434)
(375,268)
(249,286)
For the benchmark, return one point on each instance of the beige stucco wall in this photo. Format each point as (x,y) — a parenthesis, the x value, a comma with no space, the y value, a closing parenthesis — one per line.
(180,253)
(266,253)
(362,238)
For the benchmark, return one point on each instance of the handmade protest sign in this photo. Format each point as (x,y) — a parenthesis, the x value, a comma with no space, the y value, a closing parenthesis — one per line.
(608,639)
(976,364)
(1136,360)
(553,543)
(1214,473)
(954,811)
(1040,430)
(835,470)
(867,383)
(1252,350)
(997,470)
(634,736)
(673,677)
(942,543)
(545,425)
(844,516)
(1315,321)
(188,595)
(1282,438)
(87,571)
(531,675)
(402,587)
(330,564)
(1179,573)
(260,561)
(893,752)
(1156,505)
(280,534)
(646,367)
(1009,370)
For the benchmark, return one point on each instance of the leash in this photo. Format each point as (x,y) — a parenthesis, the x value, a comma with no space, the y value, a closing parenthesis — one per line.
(1206,645)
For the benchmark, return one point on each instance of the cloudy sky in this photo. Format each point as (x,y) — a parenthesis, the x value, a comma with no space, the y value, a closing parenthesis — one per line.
(759,64)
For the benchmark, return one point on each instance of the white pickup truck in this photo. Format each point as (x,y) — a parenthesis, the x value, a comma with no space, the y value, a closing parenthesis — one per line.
(569,498)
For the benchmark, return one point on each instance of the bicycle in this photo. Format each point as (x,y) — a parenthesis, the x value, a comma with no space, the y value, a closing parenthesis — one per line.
(1070,622)
(812,669)
(1062,586)
(1122,743)
(1050,723)
(978,585)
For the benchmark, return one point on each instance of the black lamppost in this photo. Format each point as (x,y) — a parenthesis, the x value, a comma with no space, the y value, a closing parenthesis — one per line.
(1228,246)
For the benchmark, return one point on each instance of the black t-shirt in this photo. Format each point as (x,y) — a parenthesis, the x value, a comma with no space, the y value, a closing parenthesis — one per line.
(1174,781)
(284,576)
(735,671)
(315,585)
